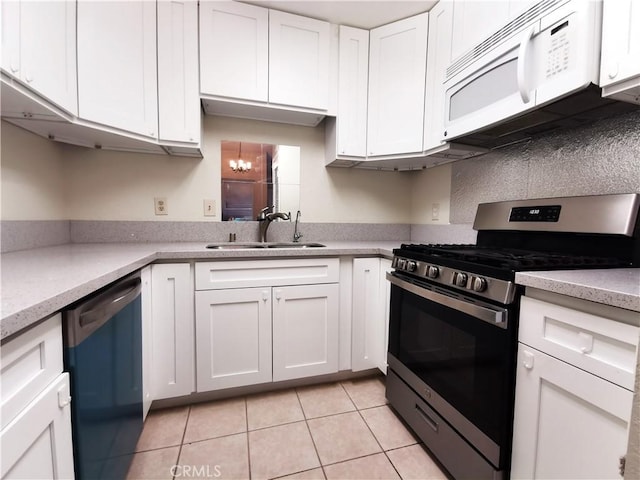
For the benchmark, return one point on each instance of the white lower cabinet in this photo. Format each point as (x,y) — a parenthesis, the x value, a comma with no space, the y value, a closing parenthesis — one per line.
(370,318)
(265,320)
(574,389)
(173,333)
(233,337)
(305,331)
(35,440)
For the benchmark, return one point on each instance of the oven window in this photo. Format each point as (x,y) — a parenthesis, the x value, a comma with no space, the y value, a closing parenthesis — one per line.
(466,361)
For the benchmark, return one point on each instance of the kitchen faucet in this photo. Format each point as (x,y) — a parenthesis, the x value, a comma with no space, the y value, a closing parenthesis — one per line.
(296,234)
(265,218)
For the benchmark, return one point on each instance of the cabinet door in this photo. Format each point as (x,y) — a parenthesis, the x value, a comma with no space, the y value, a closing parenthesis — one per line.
(147,341)
(39,48)
(352,92)
(385,294)
(37,443)
(367,333)
(173,330)
(178,90)
(438,59)
(233,337)
(234,50)
(117,71)
(567,423)
(620,41)
(298,61)
(397,67)
(305,331)
(475,20)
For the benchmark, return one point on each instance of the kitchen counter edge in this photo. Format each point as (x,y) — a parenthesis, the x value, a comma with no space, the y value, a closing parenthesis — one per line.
(39,282)
(618,287)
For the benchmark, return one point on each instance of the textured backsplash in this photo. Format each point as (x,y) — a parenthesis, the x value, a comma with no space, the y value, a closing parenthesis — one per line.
(599,159)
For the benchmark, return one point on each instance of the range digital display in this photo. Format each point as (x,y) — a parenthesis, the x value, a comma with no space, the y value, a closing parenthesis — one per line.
(545,213)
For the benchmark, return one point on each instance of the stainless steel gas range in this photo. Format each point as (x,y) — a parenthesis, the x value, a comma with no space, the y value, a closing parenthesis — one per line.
(454,318)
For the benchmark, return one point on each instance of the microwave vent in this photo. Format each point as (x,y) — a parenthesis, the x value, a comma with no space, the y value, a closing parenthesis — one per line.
(515,25)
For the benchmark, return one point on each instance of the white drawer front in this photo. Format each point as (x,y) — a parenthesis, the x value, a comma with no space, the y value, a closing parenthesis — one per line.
(260,273)
(602,346)
(29,363)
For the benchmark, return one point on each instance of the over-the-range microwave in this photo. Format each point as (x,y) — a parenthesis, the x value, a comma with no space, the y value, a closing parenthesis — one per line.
(535,74)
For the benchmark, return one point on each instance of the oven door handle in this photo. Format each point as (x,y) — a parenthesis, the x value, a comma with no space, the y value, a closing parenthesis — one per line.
(497,317)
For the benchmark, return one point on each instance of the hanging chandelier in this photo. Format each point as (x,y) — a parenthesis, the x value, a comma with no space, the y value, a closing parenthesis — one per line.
(239,165)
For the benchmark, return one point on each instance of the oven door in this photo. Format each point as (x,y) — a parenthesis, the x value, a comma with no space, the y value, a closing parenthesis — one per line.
(458,355)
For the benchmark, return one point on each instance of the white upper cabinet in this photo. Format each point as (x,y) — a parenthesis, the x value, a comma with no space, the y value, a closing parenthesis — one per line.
(620,62)
(353,72)
(474,20)
(178,88)
(298,61)
(397,67)
(234,50)
(117,70)
(39,49)
(438,59)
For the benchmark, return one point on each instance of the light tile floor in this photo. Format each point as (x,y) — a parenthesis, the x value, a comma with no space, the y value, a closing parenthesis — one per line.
(341,430)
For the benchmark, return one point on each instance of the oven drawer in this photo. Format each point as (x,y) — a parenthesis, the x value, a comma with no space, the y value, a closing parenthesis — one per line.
(598,344)
(455,454)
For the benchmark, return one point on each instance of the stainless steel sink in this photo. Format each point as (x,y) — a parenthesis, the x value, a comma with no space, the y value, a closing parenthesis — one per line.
(249,245)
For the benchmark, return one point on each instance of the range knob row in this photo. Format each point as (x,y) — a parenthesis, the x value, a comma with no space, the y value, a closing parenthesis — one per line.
(477,284)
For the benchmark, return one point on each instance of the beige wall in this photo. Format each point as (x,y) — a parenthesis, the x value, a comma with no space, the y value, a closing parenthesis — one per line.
(82,184)
(33,183)
(428,187)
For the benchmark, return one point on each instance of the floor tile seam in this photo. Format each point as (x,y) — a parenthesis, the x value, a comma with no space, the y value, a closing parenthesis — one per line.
(313,442)
(354,458)
(331,415)
(246,419)
(348,396)
(202,440)
(184,433)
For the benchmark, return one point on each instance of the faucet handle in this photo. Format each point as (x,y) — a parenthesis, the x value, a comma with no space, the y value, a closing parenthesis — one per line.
(263,213)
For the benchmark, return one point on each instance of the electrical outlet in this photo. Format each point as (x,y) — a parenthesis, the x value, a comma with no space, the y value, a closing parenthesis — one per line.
(435,211)
(209,208)
(161,205)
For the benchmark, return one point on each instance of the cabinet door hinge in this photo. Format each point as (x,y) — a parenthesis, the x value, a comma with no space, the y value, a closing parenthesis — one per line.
(621,465)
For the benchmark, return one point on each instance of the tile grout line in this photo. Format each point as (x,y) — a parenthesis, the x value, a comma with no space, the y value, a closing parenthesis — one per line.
(184,433)
(373,434)
(246,422)
(306,422)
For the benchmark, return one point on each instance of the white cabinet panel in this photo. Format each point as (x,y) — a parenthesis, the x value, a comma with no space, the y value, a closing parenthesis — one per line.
(567,422)
(298,61)
(178,88)
(147,340)
(438,59)
(353,74)
(37,443)
(173,330)
(39,49)
(234,50)
(30,362)
(397,68)
(620,61)
(370,330)
(117,68)
(305,331)
(233,337)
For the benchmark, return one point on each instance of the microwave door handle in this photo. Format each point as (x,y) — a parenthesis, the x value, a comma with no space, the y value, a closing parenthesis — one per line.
(523,53)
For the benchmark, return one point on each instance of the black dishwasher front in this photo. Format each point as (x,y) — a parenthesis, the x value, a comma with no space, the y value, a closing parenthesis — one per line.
(103,354)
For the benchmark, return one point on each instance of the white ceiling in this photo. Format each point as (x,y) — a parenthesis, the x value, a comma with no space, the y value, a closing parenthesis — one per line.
(355,13)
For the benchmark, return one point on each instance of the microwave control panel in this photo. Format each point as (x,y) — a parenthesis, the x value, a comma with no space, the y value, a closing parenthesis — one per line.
(558,50)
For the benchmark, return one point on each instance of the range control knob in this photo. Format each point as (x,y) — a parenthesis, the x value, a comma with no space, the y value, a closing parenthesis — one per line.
(478,284)
(433,272)
(460,279)
(411,266)
(401,263)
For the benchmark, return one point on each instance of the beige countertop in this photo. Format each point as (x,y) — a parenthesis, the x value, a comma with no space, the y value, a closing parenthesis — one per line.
(39,282)
(618,287)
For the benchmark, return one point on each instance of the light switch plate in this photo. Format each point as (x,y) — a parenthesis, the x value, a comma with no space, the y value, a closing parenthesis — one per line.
(209,207)
(435,211)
